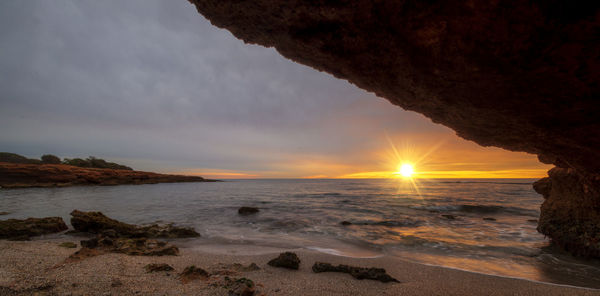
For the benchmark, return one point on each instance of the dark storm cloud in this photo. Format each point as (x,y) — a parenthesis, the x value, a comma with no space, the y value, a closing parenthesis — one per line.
(154,84)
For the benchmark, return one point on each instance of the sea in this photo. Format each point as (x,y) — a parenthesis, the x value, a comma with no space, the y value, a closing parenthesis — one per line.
(478,225)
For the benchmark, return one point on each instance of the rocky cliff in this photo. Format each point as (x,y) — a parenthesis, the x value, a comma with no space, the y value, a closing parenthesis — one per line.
(14,175)
(521,75)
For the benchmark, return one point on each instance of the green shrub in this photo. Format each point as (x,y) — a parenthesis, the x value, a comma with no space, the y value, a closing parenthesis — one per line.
(93,162)
(50,159)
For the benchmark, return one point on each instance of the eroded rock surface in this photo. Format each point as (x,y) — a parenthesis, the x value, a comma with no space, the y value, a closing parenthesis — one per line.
(98,223)
(24,229)
(520,75)
(131,246)
(286,260)
(571,210)
(191,273)
(372,273)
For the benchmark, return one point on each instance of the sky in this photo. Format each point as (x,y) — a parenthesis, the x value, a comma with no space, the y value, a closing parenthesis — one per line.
(151,84)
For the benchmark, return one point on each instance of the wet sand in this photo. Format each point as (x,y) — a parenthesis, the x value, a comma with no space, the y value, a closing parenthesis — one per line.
(36,267)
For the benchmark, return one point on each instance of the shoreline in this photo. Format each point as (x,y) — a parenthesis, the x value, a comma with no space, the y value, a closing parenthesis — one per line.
(27,266)
(18,175)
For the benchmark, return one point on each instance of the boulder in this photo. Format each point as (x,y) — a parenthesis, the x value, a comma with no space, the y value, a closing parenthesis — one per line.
(24,229)
(191,273)
(378,274)
(286,260)
(240,287)
(98,223)
(248,210)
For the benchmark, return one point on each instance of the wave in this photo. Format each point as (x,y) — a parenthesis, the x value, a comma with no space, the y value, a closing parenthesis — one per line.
(391,223)
(485,182)
(478,209)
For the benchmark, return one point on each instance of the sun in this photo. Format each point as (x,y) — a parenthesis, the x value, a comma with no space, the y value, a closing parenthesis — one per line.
(406,170)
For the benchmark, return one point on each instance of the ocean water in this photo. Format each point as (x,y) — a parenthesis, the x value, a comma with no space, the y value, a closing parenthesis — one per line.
(437,222)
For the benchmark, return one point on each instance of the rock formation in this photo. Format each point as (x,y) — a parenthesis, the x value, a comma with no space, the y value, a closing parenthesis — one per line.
(16,229)
(98,223)
(520,75)
(248,210)
(286,260)
(130,246)
(571,211)
(361,273)
(191,273)
(16,175)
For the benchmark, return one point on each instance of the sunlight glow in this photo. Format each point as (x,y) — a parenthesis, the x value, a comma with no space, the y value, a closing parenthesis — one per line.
(406,170)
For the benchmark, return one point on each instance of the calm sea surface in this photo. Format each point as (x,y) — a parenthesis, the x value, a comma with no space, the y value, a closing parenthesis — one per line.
(440,222)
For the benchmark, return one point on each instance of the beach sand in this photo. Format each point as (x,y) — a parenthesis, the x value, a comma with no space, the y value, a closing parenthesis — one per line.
(37,267)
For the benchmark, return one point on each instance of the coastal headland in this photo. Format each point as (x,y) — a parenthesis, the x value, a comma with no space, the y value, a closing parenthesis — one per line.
(19,175)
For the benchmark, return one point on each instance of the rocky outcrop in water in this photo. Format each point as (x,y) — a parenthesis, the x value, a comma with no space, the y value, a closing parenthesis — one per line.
(14,175)
(286,260)
(98,223)
(519,75)
(248,210)
(570,214)
(378,274)
(16,229)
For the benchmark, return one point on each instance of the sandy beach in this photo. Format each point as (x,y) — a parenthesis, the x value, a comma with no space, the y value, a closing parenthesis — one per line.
(38,267)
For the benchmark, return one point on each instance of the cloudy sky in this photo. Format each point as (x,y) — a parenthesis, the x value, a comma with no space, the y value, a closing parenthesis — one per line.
(153,85)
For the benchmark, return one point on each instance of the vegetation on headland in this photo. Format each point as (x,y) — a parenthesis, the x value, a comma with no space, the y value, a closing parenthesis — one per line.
(90,162)
(17,171)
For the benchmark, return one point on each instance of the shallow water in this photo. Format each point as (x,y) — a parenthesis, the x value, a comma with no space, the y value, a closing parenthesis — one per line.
(392,217)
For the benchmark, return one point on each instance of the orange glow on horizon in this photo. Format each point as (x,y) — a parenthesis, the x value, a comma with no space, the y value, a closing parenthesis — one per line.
(502,174)
(422,158)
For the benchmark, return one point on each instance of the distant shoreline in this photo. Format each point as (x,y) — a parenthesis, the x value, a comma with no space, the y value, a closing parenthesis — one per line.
(19,175)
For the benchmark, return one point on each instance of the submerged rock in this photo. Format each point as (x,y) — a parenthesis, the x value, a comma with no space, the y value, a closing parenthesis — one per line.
(24,229)
(449,217)
(96,222)
(131,246)
(156,267)
(346,223)
(378,274)
(489,219)
(248,210)
(286,260)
